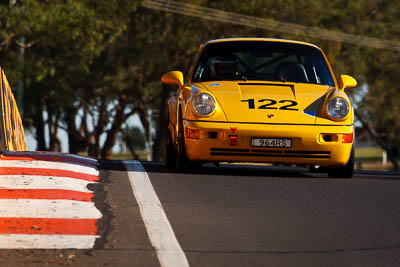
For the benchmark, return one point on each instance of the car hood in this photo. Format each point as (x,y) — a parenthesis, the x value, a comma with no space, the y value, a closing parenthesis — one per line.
(268,102)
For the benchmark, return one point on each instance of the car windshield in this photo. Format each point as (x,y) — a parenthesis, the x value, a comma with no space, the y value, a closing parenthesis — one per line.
(261,60)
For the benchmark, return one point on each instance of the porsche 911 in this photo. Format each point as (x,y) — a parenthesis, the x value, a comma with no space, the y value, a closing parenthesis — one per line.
(261,100)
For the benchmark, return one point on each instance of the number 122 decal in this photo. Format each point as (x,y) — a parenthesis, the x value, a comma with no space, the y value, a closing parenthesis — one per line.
(272,104)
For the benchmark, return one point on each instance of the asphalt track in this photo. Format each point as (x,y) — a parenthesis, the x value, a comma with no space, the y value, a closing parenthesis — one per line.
(239,215)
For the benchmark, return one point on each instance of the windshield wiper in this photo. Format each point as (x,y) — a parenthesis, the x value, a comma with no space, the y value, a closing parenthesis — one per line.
(246,75)
(230,77)
(281,79)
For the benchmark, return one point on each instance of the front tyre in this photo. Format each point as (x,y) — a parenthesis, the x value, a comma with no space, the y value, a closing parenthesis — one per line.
(182,162)
(346,171)
(171,153)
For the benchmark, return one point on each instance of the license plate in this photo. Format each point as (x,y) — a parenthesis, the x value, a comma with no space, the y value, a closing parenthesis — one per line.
(271,142)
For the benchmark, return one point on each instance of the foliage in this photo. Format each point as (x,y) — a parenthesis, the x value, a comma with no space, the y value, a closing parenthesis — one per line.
(135,140)
(64,63)
(139,142)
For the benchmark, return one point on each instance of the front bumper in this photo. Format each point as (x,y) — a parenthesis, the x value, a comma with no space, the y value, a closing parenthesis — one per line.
(310,146)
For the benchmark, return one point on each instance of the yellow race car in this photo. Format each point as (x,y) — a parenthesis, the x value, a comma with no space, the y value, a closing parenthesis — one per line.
(261,100)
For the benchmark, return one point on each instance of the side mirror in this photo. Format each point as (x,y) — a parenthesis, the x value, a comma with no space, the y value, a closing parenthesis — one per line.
(173,77)
(346,81)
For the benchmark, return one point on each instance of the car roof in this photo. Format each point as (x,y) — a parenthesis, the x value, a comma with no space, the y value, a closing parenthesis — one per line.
(258,40)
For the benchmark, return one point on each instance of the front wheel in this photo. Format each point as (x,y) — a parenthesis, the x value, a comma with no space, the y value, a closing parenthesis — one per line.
(171,153)
(182,162)
(346,171)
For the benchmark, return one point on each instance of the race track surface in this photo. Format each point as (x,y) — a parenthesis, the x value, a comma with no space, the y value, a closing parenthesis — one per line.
(232,215)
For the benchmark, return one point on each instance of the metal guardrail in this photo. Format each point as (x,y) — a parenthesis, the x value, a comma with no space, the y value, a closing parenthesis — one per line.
(12,135)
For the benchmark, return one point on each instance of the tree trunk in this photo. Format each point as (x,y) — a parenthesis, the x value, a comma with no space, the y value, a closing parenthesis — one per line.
(162,126)
(52,122)
(144,119)
(94,149)
(367,126)
(40,127)
(112,134)
(127,137)
(54,144)
(75,141)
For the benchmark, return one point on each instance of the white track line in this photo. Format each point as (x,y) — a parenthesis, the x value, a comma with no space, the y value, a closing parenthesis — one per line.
(44,208)
(162,237)
(17,241)
(43,182)
(49,165)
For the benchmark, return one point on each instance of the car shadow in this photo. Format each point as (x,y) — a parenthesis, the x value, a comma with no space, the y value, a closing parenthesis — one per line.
(248,170)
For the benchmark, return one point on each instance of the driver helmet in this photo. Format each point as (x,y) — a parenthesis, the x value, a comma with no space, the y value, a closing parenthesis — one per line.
(222,65)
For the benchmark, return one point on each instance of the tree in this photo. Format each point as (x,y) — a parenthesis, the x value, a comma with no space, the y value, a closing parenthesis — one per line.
(65,64)
(134,139)
(90,65)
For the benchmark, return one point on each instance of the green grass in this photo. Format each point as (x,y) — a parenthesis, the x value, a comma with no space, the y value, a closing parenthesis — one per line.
(369,153)
(370,158)
(128,156)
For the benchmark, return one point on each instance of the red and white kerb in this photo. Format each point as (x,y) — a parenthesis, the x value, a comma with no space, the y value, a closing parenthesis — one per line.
(45,202)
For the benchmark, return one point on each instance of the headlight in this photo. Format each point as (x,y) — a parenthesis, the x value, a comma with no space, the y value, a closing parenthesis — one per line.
(337,108)
(203,104)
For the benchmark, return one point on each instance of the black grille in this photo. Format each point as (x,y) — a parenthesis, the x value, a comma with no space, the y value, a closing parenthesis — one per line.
(269,153)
